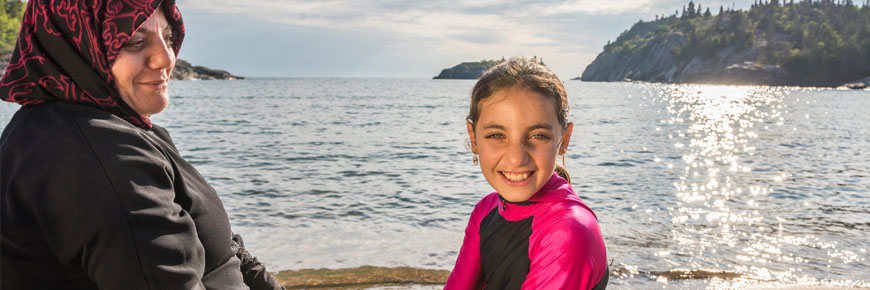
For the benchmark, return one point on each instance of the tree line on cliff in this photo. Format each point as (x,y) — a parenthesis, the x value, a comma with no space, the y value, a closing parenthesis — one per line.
(823,42)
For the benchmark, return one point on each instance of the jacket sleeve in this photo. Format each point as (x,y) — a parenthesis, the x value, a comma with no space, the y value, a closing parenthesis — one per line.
(466,273)
(254,272)
(570,256)
(103,198)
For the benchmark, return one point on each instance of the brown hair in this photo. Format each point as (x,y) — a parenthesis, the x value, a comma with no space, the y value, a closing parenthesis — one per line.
(531,76)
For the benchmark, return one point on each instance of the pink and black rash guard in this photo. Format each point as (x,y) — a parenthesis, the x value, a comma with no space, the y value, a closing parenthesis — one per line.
(551,241)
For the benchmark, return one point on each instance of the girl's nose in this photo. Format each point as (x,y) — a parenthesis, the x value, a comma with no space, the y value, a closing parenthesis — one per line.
(517,153)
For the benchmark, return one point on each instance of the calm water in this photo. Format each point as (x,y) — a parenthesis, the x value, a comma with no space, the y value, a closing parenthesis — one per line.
(735,186)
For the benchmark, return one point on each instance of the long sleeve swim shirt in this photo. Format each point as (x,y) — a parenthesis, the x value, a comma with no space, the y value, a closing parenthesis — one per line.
(551,241)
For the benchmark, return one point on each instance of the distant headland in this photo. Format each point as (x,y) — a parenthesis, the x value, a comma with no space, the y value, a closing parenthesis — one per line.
(800,43)
(185,71)
(473,70)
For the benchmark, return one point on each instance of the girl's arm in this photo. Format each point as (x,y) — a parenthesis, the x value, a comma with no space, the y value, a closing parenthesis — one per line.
(571,255)
(466,273)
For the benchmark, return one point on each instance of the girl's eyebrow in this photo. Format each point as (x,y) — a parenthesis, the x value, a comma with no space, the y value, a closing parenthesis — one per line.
(530,128)
(539,126)
(494,126)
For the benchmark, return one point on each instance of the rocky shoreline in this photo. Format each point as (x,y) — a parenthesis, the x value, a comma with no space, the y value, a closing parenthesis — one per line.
(655,62)
(183,71)
(772,43)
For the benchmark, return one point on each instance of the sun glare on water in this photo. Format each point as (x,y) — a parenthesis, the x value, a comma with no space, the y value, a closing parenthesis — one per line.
(717,220)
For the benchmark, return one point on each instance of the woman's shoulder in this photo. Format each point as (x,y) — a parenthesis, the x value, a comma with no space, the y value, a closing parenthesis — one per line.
(65,134)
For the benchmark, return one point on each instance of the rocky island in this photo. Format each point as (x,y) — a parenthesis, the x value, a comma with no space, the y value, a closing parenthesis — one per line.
(473,70)
(808,43)
(468,70)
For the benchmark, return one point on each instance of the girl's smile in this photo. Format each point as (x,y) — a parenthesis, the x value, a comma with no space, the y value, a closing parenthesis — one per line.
(518,137)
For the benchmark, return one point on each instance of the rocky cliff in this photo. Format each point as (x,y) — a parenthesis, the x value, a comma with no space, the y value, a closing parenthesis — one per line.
(771,44)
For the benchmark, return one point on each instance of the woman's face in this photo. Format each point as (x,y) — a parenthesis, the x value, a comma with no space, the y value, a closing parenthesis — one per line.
(143,66)
(518,137)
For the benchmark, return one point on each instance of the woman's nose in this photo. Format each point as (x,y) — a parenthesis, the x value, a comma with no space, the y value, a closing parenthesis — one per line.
(161,55)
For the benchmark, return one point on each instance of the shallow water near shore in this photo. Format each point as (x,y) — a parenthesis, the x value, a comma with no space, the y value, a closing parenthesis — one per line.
(694,186)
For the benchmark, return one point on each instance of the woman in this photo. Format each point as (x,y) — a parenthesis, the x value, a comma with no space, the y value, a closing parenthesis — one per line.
(533,232)
(93,195)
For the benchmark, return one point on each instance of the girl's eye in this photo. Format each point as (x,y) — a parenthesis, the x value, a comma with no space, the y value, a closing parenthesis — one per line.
(495,136)
(540,137)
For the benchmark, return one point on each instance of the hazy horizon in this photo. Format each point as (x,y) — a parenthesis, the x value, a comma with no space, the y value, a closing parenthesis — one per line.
(405,39)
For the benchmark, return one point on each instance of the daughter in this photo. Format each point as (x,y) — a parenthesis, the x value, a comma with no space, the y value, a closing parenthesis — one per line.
(533,232)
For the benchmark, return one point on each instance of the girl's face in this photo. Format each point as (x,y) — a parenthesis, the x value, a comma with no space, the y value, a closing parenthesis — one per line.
(518,137)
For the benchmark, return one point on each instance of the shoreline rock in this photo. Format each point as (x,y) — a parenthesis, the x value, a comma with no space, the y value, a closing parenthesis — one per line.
(185,71)
(862,84)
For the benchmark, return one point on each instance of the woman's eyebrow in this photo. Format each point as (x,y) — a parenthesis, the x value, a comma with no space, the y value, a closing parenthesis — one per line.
(164,29)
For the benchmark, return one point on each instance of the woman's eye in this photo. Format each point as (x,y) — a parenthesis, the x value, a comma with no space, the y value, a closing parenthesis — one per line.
(168,39)
(495,136)
(134,44)
(540,136)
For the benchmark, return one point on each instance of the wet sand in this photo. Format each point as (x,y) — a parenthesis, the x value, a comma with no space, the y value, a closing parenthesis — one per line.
(370,277)
(362,278)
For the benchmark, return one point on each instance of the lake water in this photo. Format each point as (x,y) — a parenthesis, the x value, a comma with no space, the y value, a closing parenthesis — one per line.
(729,187)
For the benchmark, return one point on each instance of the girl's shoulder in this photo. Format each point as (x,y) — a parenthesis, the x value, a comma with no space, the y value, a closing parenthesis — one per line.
(569,215)
(485,205)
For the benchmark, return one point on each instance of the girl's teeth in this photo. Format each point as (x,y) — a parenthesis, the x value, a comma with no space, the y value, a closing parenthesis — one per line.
(516,176)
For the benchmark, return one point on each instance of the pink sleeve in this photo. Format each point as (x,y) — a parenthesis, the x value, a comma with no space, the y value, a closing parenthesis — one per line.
(570,256)
(466,273)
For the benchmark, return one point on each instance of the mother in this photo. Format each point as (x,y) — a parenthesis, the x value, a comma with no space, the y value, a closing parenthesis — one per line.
(93,195)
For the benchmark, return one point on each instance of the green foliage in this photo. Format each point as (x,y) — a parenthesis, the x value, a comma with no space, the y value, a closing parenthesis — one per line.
(10,21)
(820,41)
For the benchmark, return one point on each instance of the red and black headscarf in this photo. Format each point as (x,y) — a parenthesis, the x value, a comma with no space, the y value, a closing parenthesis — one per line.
(66,49)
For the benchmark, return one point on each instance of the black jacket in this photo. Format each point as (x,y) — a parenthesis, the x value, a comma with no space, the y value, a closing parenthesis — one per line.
(90,201)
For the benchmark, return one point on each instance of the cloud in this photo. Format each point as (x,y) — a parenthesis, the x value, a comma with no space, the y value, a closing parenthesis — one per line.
(462,30)
(482,21)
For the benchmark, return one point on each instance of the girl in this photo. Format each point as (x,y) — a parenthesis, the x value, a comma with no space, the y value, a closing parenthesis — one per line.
(533,232)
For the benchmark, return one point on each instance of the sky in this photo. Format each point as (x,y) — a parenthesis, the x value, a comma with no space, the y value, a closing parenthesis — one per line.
(405,39)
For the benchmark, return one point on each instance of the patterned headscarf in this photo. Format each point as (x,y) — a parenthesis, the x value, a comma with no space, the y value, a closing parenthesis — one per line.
(66,49)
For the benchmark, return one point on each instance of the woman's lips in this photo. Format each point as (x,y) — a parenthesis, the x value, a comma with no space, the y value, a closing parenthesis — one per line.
(517,178)
(157,85)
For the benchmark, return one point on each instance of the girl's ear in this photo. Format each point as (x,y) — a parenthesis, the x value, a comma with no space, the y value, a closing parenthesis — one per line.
(566,138)
(471,139)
